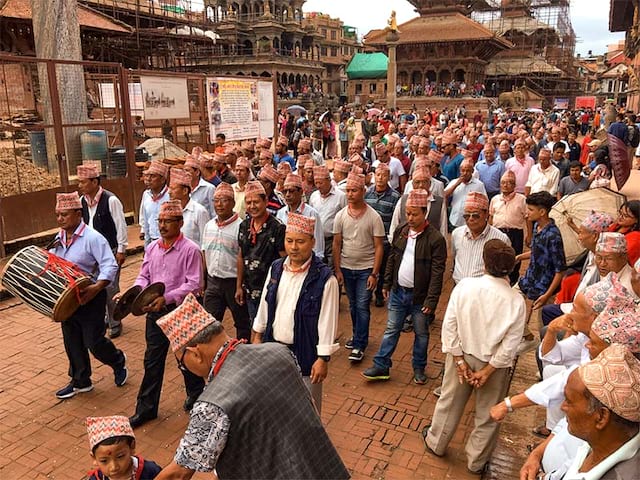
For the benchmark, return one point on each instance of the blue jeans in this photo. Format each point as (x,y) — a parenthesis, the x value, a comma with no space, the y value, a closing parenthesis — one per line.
(400,306)
(355,285)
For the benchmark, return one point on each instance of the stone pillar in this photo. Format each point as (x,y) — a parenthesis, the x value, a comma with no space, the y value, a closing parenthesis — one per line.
(392,69)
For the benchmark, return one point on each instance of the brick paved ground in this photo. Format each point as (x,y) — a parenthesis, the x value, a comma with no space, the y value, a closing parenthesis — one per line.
(376,427)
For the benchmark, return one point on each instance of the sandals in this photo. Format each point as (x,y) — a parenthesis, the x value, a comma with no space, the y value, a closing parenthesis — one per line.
(541,431)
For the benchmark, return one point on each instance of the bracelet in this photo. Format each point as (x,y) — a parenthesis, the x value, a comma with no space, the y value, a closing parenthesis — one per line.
(459,362)
(507,402)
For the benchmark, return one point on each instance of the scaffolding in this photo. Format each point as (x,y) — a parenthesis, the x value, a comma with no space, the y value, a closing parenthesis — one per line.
(544,45)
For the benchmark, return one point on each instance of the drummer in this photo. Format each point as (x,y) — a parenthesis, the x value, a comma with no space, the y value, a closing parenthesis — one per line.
(176,262)
(85,330)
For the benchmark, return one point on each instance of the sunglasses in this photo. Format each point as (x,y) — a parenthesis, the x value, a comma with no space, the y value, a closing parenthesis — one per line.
(475,216)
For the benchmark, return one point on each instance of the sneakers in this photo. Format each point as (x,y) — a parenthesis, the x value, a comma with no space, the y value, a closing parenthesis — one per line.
(527,345)
(438,391)
(419,377)
(121,374)
(71,391)
(349,344)
(376,373)
(115,332)
(356,355)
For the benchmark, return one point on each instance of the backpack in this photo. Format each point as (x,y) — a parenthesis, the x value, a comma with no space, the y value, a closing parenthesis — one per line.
(634,136)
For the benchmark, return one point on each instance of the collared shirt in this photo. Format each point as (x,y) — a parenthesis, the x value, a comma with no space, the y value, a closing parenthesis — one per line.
(238,195)
(625,452)
(490,174)
(149,210)
(568,186)
(307,211)
(195,217)
(467,251)
(396,171)
(117,215)
(451,166)
(89,251)
(179,268)
(287,299)
(471,326)
(521,171)
(384,203)
(509,212)
(327,207)
(259,257)
(220,246)
(560,451)
(203,194)
(458,198)
(547,259)
(546,180)
(277,159)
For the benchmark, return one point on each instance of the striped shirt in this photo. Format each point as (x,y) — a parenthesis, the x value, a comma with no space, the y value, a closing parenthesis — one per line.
(467,251)
(384,203)
(220,246)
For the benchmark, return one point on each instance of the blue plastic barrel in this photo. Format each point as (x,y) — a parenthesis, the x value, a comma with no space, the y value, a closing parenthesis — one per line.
(39,149)
(93,144)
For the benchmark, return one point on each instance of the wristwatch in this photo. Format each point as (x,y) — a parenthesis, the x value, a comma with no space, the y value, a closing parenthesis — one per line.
(325,358)
(507,402)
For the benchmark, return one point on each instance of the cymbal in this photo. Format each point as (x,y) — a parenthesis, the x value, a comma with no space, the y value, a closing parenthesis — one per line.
(123,305)
(146,297)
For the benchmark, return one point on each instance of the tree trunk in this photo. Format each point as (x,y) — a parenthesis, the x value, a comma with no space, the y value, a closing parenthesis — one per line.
(56,32)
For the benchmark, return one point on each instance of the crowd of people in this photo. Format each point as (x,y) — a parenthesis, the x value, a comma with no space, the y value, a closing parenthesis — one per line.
(452,89)
(276,229)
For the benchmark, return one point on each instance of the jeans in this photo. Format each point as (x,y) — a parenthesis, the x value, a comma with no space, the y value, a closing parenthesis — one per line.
(400,305)
(355,285)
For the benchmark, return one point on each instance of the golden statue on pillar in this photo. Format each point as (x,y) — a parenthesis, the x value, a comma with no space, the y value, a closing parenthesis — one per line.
(392,23)
(267,8)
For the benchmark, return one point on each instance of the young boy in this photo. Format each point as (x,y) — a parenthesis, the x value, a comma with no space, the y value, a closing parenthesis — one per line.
(112,444)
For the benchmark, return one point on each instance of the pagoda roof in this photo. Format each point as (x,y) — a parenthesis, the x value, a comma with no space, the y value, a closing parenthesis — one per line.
(439,28)
(87,17)
(367,66)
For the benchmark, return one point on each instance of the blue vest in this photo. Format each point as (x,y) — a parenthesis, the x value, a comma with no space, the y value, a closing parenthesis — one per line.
(305,318)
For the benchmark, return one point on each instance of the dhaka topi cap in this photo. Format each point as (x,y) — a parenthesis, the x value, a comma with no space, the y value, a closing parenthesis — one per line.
(264,143)
(87,172)
(243,162)
(185,322)
(435,156)
(321,171)
(301,224)
(283,168)
(192,161)
(206,160)
(355,180)
(293,181)
(170,208)
(224,190)
(608,293)
(304,143)
(269,173)
(421,173)
(383,168)
(476,201)
(611,242)
(418,198)
(357,169)
(597,222)
(341,166)
(619,327)
(68,201)
(254,188)
(381,149)
(613,377)
(156,167)
(100,429)
(180,176)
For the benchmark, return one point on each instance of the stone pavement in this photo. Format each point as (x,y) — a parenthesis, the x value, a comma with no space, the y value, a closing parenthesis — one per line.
(376,427)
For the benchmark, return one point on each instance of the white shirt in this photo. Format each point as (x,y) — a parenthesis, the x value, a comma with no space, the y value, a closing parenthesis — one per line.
(459,196)
(195,218)
(307,211)
(544,180)
(550,391)
(590,273)
(436,190)
(117,215)
(560,451)
(203,194)
(327,207)
(625,452)
(406,271)
(220,246)
(149,210)
(471,325)
(287,300)
(396,171)
(467,251)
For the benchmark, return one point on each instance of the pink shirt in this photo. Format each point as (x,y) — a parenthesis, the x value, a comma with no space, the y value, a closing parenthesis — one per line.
(521,171)
(509,213)
(179,268)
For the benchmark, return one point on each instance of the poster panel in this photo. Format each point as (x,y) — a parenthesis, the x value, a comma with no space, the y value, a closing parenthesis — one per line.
(560,103)
(586,102)
(265,109)
(232,105)
(165,98)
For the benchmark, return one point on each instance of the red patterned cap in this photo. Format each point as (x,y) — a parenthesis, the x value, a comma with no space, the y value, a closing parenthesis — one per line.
(301,224)
(206,160)
(597,222)
(611,242)
(615,326)
(321,171)
(193,161)
(185,322)
(355,158)
(357,169)
(476,201)
(283,168)
(293,181)
(613,377)
(282,140)
(418,198)
(264,143)
(341,166)
(421,173)
(449,139)
(308,162)
(269,173)
(248,146)
(265,154)
(224,190)
(355,180)
(304,143)
(383,167)
(254,188)
(158,168)
(101,428)
(220,157)
(171,208)
(243,162)
(87,172)
(68,201)
(435,156)
(180,176)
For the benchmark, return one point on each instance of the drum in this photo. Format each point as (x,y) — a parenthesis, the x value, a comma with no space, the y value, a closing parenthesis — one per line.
(47,283)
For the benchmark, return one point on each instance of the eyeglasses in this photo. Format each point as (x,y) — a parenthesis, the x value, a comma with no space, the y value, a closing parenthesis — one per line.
(167,221)
(181,364)
(625,214)
(475,216)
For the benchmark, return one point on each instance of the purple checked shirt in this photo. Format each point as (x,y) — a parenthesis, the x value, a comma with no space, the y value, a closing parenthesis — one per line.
(179,268)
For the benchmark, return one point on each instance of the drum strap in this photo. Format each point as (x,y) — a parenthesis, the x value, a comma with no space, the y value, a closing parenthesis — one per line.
(61,267)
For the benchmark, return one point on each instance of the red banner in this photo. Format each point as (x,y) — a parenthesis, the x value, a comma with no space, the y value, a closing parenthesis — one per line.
(585,102)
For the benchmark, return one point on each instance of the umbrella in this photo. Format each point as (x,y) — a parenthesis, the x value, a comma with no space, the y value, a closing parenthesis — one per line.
(374,111)
(619,160)
(296,109)
(578,206)
(534,110)
(323,116)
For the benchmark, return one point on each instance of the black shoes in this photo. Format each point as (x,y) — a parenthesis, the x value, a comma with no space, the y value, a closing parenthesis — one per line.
(140,419)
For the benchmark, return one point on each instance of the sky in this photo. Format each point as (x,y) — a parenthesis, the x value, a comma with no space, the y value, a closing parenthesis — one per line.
(590,18)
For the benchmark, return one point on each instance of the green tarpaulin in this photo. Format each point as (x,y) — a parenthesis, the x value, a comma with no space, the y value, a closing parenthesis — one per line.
(367,66)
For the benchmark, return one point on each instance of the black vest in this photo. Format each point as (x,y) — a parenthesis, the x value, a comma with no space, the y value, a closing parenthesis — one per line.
(434,213)
(102,220)
(274,432)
